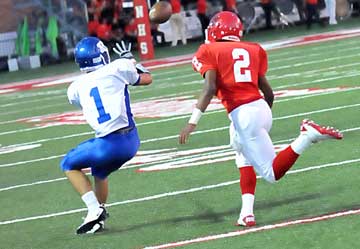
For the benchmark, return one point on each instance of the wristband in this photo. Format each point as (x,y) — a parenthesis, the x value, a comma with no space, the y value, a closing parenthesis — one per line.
(141,69)
(195,116)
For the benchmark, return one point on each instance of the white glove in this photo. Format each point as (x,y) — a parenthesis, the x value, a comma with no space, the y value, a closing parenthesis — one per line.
(122,51)
(141,69)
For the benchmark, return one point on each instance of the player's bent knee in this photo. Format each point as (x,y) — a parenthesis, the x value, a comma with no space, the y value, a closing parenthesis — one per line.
(268,175)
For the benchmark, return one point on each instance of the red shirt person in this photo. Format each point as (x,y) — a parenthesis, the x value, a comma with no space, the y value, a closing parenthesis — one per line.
(235,71)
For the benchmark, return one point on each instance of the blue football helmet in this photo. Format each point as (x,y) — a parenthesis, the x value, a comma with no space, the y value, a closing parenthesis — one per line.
(91,54)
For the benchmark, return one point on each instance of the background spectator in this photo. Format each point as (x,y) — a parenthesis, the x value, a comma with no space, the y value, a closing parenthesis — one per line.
(312,13)
(130,32)
(158,36)
(201,13)
(177,23)
(93,25)
(103,32)
(331,10)
(269,7)
(230,5)
(301,9)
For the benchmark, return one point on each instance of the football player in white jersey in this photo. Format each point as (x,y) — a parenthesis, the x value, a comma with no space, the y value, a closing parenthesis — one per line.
(102,94)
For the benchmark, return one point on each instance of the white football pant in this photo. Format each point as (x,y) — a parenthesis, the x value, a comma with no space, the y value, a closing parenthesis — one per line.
(249,136)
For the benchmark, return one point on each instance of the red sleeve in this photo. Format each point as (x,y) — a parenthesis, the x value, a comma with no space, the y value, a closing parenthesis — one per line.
(263,65)
(202,61)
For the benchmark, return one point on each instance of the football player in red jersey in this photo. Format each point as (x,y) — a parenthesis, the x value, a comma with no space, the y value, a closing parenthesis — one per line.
(235,71)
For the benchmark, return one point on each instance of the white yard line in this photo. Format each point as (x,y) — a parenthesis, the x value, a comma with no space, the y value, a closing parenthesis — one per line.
(177,117)
(318,81)
(194,133)
(174,193)
(345,43)
(256,229)
(300,64)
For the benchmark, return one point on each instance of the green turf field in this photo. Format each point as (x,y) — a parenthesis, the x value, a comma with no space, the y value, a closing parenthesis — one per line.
(191,191)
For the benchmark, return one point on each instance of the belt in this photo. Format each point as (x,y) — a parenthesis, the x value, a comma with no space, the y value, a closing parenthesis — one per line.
(124,130)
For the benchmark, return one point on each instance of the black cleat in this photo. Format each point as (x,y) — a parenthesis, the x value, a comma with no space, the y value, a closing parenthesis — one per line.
(93,225)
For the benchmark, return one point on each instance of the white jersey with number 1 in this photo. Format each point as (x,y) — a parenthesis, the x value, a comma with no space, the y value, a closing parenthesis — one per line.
(104,98)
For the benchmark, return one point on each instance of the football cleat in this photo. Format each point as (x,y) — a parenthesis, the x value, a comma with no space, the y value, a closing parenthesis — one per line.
(317,132)
(247,221)
(93,222)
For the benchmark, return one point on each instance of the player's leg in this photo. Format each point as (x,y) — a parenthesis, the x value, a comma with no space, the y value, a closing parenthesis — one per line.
(252,126)
(252,123)
(79,181)
(247,183)
(101,189)
(72,164)
(310,133)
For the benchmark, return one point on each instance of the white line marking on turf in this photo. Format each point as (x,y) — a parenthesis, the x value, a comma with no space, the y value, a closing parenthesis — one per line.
(175,193)
(196,132)
(64,178)
(257,229)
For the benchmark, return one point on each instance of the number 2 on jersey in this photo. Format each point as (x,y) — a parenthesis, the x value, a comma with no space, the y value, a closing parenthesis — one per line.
(103,116)
(241,65)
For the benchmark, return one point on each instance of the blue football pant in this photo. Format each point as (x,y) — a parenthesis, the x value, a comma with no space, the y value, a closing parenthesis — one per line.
(103,155)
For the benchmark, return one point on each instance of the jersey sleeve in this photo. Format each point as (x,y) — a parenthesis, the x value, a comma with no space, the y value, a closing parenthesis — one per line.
(263,65)
(73,95)
(202,61)
(128,70)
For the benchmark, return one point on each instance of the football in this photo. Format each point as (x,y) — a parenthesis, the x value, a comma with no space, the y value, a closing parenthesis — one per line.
(160,12)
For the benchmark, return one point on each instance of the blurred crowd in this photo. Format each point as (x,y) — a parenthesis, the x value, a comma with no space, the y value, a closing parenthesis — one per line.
(110,21)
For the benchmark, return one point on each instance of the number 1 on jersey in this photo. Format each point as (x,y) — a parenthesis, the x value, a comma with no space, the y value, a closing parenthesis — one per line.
(103,116)
(242,62)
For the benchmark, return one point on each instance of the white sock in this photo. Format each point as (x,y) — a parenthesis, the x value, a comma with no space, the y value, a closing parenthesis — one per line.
(91,201)
(301,143)
(247,207)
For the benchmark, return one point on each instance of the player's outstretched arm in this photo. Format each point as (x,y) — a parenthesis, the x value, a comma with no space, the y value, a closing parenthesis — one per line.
(266,90)
(145,79)
(204,99)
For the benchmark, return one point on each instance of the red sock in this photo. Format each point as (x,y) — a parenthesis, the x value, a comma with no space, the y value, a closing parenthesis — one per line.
(283,162)
(247,180)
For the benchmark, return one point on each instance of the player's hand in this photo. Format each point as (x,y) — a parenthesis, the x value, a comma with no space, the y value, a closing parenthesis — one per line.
(123,51)
(185,133)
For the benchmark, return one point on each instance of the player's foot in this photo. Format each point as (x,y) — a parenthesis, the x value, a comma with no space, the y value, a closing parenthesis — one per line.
(246,221)
(317,132)
(94,222)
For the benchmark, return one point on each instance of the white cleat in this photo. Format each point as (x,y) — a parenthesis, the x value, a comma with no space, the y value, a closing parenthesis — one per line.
(318,133)
(247,221)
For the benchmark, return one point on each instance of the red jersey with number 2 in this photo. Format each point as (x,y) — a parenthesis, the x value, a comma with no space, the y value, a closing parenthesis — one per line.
(238,66)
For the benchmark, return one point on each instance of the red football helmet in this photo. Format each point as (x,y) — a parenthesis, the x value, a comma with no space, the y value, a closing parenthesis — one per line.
(225,25)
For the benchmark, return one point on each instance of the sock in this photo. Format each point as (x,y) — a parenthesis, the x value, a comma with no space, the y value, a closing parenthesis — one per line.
(301,143)
(90,201)
(247,207)
(247,185)
(283,162)
(247,180)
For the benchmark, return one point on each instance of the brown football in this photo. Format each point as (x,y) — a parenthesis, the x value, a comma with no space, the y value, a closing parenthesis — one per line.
(160,12)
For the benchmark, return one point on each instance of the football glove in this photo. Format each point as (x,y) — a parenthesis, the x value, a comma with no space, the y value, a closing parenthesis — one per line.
(141,69)
(123,51)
